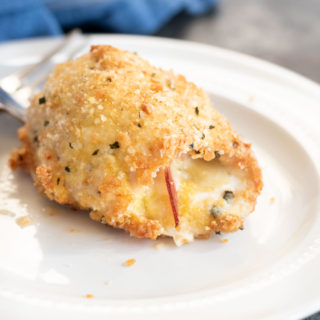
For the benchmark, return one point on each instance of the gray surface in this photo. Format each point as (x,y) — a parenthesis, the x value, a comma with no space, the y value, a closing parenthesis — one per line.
(286,32)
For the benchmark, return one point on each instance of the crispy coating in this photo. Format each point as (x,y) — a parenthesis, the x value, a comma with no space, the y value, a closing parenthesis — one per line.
(106,126)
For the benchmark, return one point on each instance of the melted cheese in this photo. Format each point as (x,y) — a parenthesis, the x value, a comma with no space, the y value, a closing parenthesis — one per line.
(200,186)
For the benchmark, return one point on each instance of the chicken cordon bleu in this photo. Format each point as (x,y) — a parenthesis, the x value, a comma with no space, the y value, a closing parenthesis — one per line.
(141,148)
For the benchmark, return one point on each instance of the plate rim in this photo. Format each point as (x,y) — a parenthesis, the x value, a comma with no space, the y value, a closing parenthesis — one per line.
(199,47)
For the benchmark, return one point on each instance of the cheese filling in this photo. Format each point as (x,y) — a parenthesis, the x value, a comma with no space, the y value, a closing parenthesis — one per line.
(206,190)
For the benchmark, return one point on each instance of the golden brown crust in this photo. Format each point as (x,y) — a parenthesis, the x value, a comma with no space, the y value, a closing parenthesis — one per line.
(137,226)
(110,118)
(226,223)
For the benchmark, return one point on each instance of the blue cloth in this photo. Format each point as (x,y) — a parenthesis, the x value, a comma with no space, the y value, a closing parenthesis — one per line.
(30,18)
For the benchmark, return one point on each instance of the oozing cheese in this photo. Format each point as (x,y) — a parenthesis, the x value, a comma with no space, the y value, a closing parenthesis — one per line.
(200,186)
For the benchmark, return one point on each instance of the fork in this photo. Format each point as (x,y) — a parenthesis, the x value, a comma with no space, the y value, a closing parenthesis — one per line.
(17,88)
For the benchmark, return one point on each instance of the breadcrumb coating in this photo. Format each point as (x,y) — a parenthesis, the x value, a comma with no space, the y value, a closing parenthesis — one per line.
(100,134)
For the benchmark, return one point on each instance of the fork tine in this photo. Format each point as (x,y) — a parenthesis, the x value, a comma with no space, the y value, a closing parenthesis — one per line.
(37,82)
(13,107)
(13,82)
(50,54)
(15,101)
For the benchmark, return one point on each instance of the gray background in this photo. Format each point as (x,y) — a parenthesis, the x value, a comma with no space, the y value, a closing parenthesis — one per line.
(286,32)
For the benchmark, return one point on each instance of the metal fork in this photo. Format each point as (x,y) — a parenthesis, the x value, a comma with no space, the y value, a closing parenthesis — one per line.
(17,88)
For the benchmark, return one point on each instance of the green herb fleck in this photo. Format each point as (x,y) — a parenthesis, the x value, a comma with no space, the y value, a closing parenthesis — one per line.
(191,146)
(99,192)
(235,144)
(46,123)
(211,126)
(115,145)
(70,145)
(139,125)
(109,79)
(228,196)
(217,155)
(58,181)
(196,109)
(197,151)
(67,169)
(215,212)
(203,136)
(241,228)
(36,139)
(95,152)
(218,232)
(42,100)
(20,157)
(170,84)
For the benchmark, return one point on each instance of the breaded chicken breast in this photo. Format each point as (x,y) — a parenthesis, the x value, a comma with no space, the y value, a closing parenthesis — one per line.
(141,148)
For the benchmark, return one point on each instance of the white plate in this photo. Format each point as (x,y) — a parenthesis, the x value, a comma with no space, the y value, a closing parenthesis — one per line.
(268,271)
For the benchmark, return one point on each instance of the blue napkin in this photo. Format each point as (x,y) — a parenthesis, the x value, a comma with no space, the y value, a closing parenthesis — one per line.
(30,18)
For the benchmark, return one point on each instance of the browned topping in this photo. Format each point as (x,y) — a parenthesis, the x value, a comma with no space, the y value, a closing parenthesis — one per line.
(145,109)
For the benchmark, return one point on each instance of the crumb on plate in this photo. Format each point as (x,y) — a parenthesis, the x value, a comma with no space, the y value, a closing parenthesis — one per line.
(24,221)
(89,296)
(224,240)
(159,245)
(129,262)
(7,213)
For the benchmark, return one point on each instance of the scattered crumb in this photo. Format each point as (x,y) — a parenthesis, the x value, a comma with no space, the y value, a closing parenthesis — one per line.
(251,98)
(224,240)
(7,213)
(159,245)
(203,236)
(52,213)
(107,282)
(72,230)
(129,262)
(24,221)
(89,296)
(272,199)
